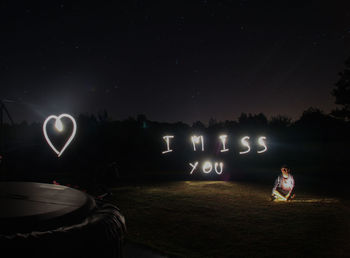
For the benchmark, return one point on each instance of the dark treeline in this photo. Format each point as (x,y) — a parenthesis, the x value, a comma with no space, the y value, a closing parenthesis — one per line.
(315,143)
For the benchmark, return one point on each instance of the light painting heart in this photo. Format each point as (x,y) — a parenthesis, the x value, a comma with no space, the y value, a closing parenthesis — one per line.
(59,127)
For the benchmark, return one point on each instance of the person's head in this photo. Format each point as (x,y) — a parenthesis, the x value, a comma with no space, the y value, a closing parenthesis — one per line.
(285,171)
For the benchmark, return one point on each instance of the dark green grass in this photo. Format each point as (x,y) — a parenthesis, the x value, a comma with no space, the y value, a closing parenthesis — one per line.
(228,219)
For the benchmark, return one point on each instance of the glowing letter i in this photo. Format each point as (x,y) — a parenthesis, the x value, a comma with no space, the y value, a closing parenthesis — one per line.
(167,140)
(223,139)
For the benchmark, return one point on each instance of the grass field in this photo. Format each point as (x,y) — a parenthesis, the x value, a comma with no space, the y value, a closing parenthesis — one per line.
(229,219)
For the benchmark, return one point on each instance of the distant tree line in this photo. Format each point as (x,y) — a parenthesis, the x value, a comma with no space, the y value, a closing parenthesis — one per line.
(135,145)
(316,140)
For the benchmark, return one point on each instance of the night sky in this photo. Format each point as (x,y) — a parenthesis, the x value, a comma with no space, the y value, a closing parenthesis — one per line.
(171,60)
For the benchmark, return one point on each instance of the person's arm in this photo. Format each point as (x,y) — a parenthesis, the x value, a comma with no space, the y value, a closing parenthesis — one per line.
(291,191)
(275,186)
(279,195)
(275,192)
(288,194)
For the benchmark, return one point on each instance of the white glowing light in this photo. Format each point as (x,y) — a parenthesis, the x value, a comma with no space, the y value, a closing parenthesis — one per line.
(262,143)
(195,140)
(207,167)
(245,143)
(223,139)
(221,167)
(167,140)
(59,127)
(193,166)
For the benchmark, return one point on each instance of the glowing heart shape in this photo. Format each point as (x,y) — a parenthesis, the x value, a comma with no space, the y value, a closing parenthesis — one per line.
(59,127)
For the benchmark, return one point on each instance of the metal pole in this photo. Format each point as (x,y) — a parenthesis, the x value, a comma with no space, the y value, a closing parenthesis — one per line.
(7,113)
(1,128)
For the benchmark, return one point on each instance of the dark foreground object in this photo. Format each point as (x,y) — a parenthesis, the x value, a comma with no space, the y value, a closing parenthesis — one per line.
(46,220)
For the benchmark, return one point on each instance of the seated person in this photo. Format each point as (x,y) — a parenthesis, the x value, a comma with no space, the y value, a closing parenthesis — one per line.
(284,185)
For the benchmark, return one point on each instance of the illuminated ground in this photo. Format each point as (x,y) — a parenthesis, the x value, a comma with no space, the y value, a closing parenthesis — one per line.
(223,219)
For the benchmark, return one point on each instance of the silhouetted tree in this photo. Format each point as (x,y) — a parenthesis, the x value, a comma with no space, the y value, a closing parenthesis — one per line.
(212,122)
(342,93)
(315,122)
(259,119)
(312,115)
(103,116)
(181,125)
(142,120)
(230,124)
(86,120)
(280,121)
(243,118)
(198,125)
